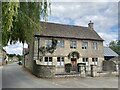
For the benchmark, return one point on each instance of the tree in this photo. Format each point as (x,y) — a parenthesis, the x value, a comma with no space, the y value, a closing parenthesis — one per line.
(21,19)
(9,10)
(19,57)
(11,55)
(115,46)
(44,50)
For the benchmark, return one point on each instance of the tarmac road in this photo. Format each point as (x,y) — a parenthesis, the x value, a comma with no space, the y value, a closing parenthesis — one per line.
(14,76)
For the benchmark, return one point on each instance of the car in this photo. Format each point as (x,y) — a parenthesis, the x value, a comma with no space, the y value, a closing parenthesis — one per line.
(19,62)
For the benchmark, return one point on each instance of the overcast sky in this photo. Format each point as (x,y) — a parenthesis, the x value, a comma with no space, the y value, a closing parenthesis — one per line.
(104,15)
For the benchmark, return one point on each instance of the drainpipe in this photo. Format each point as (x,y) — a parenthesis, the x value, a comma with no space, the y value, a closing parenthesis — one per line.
(38,47)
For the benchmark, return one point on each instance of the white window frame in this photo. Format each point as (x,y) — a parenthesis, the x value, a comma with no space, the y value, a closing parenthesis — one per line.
(86,61)
(48,61)
(61,62)
(95,61)
(73,44)
(60,43)
(94,44)
(48,43)
(84,45)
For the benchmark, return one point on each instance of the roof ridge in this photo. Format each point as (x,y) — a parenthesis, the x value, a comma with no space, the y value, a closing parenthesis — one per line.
(71,31)
(63,24)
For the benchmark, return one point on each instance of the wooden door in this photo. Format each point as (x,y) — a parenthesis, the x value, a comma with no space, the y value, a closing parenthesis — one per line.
(74,64)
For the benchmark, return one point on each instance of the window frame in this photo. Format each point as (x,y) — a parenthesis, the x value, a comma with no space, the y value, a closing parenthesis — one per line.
(95,61)
(84,45)
(73,44)
(49,60)
(60,43)
(61,60)
(48,43)
(86,61)
(95,45)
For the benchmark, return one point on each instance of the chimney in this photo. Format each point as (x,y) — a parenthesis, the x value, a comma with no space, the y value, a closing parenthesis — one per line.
(90,25)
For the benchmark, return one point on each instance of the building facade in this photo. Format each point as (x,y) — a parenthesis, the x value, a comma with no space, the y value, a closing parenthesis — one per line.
(75,45)
(109,53)
(1,56)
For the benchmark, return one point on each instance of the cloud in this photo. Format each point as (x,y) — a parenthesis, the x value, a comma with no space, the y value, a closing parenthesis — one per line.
(15,48)
(108,37)
(103,14)
(85,0)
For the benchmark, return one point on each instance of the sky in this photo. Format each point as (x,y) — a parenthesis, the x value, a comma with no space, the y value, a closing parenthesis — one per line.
(103,13)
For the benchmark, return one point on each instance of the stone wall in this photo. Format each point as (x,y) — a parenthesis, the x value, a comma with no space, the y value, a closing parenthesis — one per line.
(44,71)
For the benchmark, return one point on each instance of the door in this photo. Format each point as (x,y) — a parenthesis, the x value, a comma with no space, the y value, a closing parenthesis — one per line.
(74,64)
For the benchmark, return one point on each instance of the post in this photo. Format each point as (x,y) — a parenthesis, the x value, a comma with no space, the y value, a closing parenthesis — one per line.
(82,70)
(93,70)
(23,56)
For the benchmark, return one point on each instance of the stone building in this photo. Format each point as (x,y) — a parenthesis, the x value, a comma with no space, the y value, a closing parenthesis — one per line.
(75,45)
(1,53)
(109,53)
(3,56)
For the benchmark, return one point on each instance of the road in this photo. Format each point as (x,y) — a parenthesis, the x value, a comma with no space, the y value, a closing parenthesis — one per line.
(14,76)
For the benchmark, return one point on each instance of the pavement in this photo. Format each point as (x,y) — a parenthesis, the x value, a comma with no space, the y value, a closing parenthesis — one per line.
(1,77)
(14,76)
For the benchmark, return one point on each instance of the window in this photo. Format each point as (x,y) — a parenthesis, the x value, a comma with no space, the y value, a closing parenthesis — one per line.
(60,43)
(60,61)
(48,61)
(85,60)
(48,43)
(95,61)
(73,44)
(84,45)
(95,45)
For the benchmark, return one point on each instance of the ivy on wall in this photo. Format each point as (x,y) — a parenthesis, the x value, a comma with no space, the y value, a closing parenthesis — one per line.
(43,50)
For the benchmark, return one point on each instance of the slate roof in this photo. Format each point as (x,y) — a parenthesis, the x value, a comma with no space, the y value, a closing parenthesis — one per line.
(109,52)
(69,31)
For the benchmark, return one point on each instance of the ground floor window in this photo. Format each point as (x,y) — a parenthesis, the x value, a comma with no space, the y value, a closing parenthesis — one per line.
(85,60)
(48,61)
(95,61)
(60,61)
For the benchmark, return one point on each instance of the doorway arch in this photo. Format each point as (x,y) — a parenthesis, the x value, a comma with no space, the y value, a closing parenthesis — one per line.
(73,56)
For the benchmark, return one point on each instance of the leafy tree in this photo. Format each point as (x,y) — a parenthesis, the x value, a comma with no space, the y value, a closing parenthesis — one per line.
(19,57)
(115,46)
(21,19)
(9,10)
(11,55)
